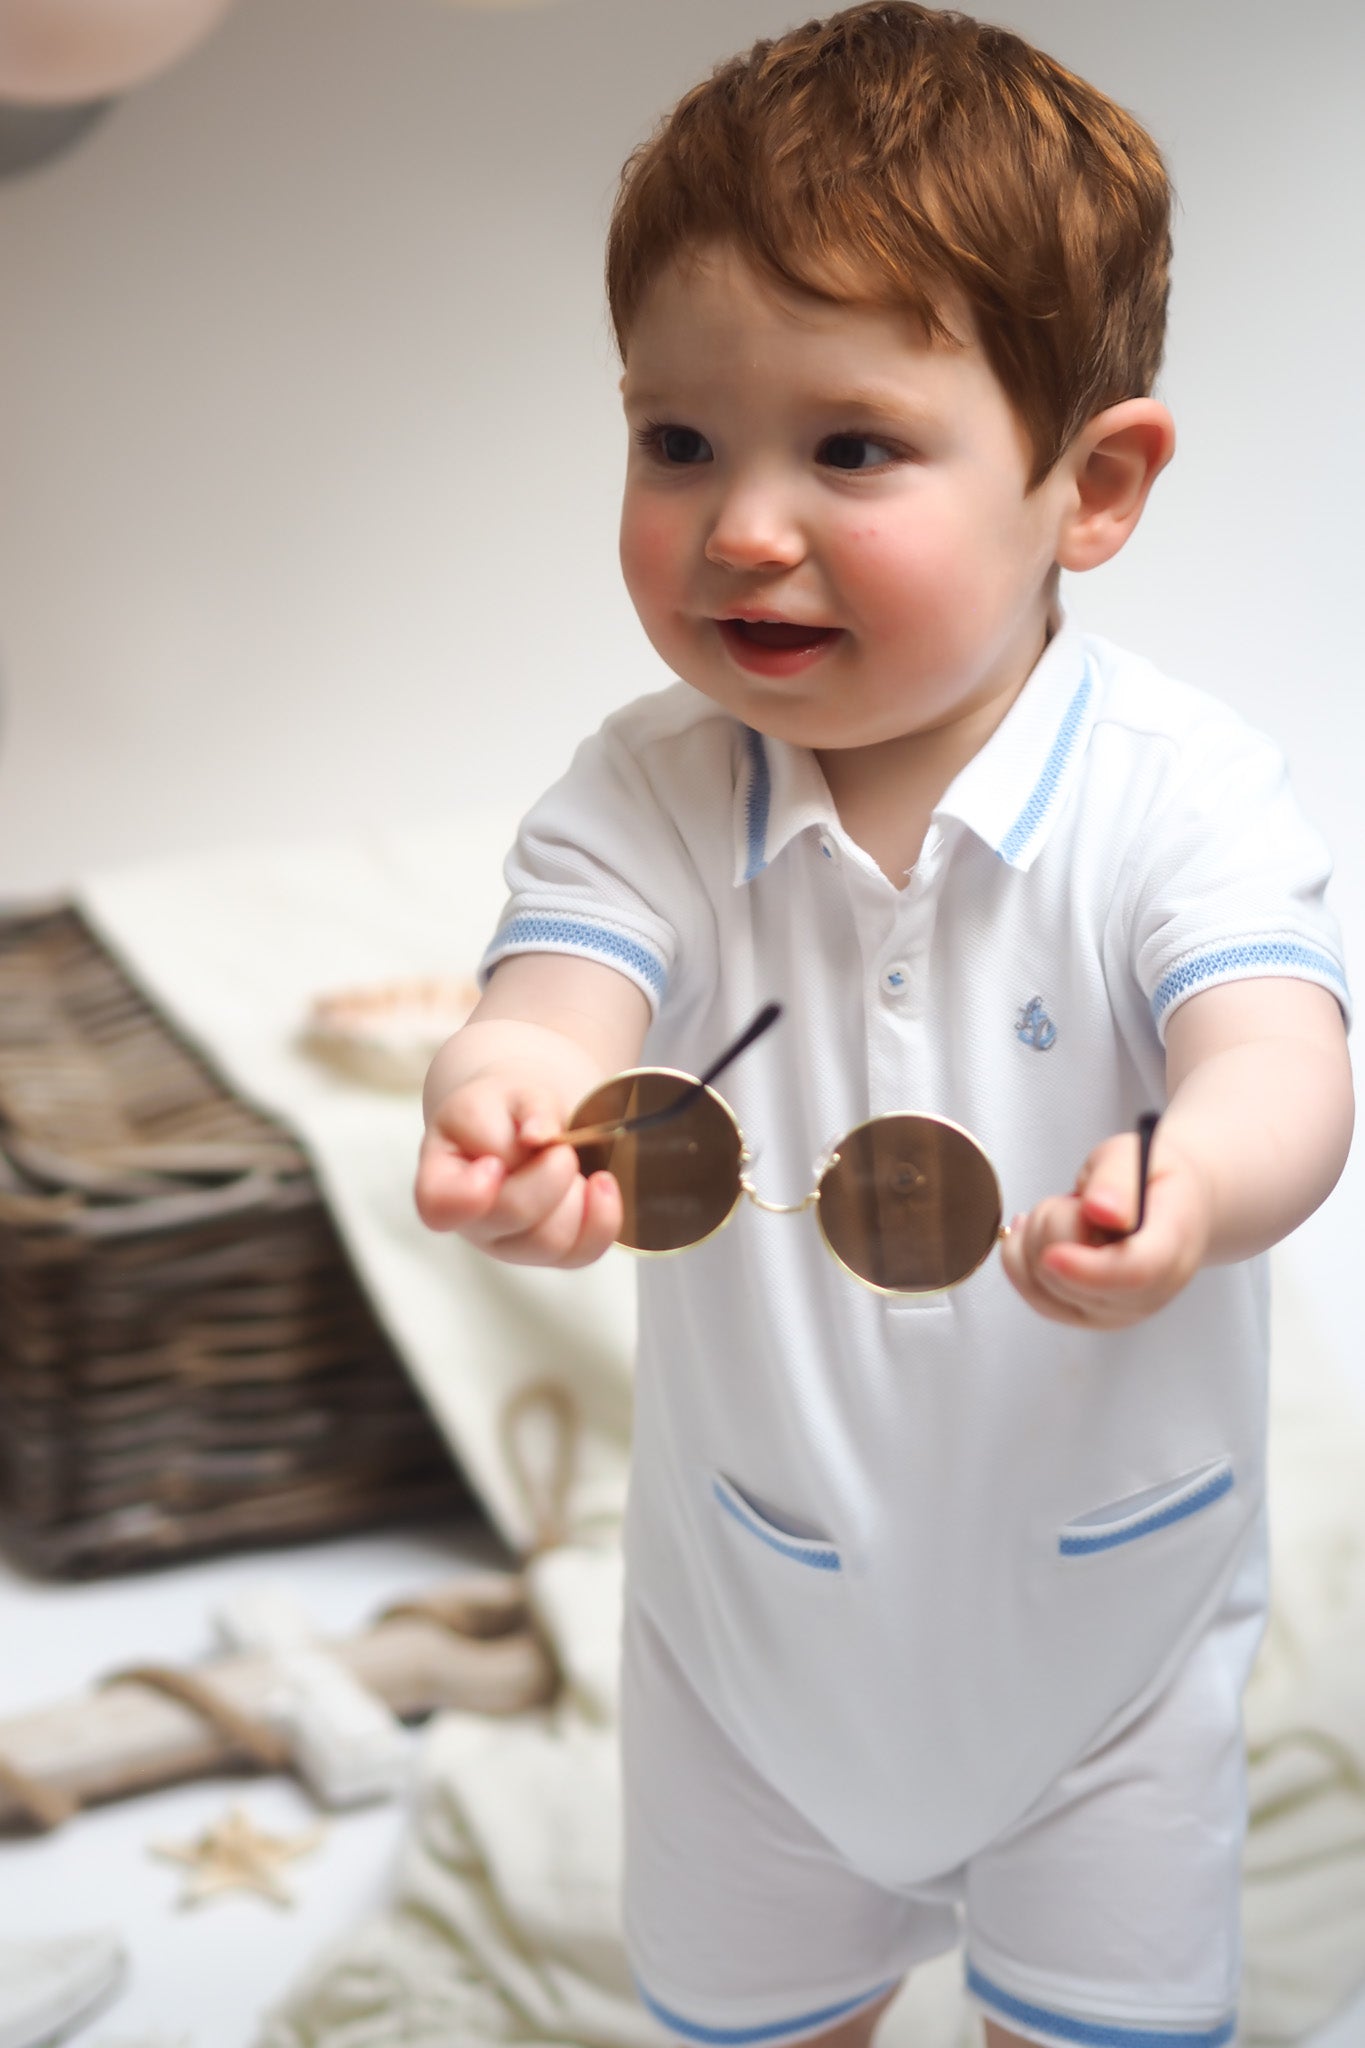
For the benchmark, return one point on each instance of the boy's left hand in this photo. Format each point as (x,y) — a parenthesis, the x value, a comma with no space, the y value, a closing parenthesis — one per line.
(1064,1256)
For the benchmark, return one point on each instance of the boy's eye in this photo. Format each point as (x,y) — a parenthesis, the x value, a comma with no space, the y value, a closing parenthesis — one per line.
(680,445)
(854,451)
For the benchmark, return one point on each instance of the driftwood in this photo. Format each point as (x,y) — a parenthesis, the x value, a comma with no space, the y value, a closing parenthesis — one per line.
(470,1645)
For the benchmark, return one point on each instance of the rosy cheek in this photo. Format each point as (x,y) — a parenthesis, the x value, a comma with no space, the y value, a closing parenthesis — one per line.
(870,558)
(651,549)
(883,570)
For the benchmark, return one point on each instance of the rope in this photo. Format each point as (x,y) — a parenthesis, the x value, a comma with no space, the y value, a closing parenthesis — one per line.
(475,1610)
(243,1733)
(43,1805)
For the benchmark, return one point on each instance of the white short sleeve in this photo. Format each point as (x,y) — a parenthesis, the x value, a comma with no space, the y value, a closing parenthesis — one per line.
(1229,884)
(602,867)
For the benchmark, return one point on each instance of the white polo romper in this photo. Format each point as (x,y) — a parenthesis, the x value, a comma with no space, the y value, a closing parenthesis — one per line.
(906,1566)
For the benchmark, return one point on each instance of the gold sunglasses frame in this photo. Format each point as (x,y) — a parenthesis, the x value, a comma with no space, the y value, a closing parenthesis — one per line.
(598,1135)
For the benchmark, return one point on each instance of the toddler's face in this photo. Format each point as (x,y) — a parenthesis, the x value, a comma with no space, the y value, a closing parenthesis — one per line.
(826,526)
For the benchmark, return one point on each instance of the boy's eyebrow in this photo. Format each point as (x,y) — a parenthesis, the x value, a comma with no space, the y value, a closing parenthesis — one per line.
(883,399)
(877,398)
(652,401)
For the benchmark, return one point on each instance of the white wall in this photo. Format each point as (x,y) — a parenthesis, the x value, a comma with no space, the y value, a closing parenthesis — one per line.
(309,450)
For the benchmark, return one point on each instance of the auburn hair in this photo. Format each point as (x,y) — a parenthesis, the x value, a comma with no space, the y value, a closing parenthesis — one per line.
(897,155)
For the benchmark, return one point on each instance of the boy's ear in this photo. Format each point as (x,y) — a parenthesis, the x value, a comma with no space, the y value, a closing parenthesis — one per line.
(1113,463)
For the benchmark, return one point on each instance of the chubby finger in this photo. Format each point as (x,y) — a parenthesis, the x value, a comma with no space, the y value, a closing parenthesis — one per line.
(1054,1221)
(1051,1256)
(453,1190)
(1161,1257)
(602,1219)
(491,1117)
(527,1197)
(1060,1238)
(577,1231)
(1110,1184)
(1065,1267)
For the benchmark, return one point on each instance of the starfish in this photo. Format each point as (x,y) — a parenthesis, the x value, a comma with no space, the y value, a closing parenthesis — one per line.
(235,1855)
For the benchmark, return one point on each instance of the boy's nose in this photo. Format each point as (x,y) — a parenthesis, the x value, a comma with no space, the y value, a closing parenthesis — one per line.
(753,529)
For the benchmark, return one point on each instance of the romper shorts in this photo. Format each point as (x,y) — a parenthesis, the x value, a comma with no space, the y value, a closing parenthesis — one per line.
(1106,1917)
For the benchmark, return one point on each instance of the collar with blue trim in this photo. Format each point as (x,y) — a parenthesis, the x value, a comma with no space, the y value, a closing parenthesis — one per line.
(1009,794)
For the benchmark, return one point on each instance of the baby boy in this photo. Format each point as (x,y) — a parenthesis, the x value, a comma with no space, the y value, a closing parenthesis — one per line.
(939,1604)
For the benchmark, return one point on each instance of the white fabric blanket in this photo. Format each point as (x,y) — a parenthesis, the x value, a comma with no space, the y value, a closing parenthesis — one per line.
(503,1927)
(234,947)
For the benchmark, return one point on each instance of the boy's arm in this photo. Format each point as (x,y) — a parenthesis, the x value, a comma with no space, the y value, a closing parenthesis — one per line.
(549,1027)
(1254,1137)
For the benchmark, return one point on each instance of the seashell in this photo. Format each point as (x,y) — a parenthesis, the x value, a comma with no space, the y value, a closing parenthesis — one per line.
(387,1034)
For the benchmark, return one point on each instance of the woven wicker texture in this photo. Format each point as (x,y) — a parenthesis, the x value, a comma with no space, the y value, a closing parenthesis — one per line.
(187,1361)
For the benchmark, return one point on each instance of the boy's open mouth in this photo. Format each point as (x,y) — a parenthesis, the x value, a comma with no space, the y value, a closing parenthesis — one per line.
(783,634)
(777,649)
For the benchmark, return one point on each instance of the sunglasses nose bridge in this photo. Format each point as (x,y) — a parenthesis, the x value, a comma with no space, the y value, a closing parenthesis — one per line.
(747,1187)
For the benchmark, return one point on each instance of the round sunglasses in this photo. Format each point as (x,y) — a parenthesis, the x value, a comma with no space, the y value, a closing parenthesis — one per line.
(906,1203)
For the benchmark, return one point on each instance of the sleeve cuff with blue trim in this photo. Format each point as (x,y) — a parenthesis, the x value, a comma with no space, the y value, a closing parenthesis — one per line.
(1277,957)
(587,938)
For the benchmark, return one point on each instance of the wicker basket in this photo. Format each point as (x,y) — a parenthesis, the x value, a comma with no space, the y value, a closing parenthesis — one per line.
(186,1359)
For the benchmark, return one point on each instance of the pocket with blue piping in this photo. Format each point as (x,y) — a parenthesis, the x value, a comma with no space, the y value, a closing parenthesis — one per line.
(1140,1515)
(787,1539)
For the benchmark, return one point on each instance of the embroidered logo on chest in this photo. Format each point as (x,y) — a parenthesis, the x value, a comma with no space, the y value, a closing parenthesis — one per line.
(1034,1027)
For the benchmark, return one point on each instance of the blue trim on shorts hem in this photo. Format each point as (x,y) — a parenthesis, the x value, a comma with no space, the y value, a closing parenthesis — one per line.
(736,2037)
(1096,2033)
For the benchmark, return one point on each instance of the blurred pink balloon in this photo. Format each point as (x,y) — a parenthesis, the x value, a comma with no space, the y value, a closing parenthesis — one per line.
(62,52)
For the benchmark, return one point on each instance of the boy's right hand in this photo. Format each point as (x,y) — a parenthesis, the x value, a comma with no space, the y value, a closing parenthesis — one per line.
(489,1169)
(547,1030)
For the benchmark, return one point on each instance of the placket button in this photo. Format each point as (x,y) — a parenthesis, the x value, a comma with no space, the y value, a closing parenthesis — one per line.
(895,978)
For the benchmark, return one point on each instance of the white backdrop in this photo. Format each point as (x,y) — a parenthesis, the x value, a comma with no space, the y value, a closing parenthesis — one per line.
(309,448)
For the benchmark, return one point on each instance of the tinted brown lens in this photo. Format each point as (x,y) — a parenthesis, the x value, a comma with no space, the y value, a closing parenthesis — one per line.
(910,1204)
(679,1180)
